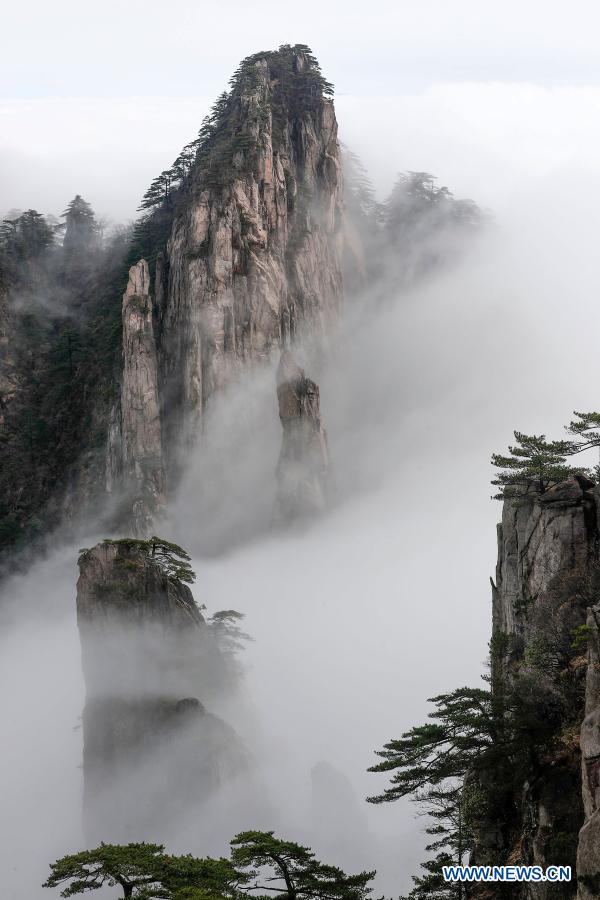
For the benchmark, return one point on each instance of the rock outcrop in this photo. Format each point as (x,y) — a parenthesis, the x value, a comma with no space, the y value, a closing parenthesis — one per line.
(135,459)
(152,752)
(542,535)
(254,250)
(588,852)
(303,466)
(237,255)
(248,260)
(546,578)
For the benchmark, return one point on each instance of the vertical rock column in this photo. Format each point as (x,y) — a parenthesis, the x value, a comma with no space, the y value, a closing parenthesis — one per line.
(303,467)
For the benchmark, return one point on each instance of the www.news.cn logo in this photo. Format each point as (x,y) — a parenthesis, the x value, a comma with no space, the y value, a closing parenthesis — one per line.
(506,873)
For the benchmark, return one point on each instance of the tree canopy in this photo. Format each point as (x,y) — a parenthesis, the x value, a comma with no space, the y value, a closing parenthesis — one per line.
(585,429)
(24,238)
(292,871)
(430,764)
(537,461)
(295,87)
(463,766)
(225,627)
(417,204)
(172,559)
(80,225)
(463,725)
(532,460)
(134,867)
(145,870)
(258,861)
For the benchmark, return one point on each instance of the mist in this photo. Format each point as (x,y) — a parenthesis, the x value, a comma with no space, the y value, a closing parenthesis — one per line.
(361,616)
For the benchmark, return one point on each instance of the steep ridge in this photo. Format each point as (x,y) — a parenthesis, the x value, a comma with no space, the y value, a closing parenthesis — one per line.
(253,257)
(121,345)
(547,578)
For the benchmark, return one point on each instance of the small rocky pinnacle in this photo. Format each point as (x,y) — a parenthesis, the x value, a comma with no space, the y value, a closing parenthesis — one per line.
(303,466)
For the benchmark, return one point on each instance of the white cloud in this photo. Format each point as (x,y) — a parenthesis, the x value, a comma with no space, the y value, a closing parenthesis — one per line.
(485,141)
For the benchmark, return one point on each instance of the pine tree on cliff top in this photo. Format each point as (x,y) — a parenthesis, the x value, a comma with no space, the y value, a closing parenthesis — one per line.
(585,428)
(172,559)
(532,460)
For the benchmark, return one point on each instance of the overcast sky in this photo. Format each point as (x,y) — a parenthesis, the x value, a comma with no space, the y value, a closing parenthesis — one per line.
(97,98)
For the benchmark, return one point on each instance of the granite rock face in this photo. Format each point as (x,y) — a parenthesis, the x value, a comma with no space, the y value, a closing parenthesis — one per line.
(152,751)
(252,263)
(256,257)
(303,466)
(588,854)
(541,536)
(545,578)
(135,457)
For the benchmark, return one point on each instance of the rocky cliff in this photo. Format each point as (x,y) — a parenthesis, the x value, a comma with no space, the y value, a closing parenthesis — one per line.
(152,752)
(252,259)
(303,466)
(118,348)
(546,581)
(253,253)
(588,851)
(135,462)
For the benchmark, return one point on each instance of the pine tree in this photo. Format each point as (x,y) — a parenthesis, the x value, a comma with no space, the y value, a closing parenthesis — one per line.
(585,428)
(80,226)
(431,764)
(172,559)
(225,628)
(532,460)
(258,861)
(360,195)
(464,724)
(134,867)
(293,871)
(23,239)
(143,871)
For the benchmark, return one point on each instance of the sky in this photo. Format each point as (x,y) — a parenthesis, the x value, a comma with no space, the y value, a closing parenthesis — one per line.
(98,98)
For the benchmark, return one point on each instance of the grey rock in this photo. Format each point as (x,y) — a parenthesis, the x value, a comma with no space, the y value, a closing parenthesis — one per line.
(153,753)
(141,448)
(303,466)
(544,540)
(256,259)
